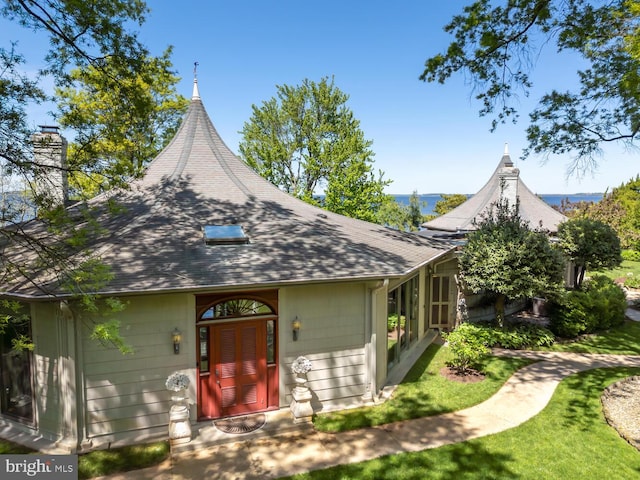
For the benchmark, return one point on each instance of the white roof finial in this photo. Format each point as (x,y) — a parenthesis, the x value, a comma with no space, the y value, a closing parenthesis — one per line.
(506,158)
(196,93)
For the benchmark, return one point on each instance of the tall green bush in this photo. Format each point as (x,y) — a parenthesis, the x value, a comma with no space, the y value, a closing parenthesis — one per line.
(598,305)
(468,347)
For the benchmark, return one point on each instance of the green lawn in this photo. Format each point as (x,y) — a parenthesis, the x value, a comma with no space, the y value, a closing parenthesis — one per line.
(108,462)
(424,392)
(9,448)
(627,267)
(623,340)
(568,439)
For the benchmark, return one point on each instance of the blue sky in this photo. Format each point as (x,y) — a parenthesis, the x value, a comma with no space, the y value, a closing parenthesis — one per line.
(426,137)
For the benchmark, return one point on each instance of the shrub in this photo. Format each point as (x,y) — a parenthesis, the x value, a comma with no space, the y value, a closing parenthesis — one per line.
(524,335)
(392,322)
(632,282)
(467,347)
(598,305)
(631,255)
(513,336)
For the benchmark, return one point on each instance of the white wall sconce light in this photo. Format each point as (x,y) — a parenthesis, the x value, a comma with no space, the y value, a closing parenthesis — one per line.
(176,336)
(295,325)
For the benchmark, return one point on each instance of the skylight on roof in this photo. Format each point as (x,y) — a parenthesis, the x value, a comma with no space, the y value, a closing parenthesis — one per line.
(224,235)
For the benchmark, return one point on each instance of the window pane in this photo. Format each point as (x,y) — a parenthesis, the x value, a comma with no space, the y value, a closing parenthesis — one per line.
(204,349)
(224,234)
(405,315)
(393,326)
(237,307)
(436,289)
(415,307)
(445,289)
(271,342)
(15,369)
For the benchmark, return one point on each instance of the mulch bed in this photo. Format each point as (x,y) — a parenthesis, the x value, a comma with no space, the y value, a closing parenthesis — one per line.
(470,376)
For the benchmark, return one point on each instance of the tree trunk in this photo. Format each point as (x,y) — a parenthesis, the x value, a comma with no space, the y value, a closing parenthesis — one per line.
(500,310)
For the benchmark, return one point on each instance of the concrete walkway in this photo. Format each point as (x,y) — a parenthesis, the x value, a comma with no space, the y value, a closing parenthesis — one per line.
(523,396)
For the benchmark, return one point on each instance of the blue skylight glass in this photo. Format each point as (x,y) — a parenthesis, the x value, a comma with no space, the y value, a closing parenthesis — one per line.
(224,235)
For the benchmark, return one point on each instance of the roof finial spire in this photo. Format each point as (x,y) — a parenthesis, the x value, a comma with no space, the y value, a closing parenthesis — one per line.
(196,93)
(506,158)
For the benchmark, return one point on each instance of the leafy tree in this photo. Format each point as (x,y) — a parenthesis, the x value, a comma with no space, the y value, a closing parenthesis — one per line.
(496,45)
(505,258)
(415,211)
(91,36)
(401,217)
(115,139)
(620,209)
(589,244)
(448,202)
(307,139)
(393,214)
(573,209)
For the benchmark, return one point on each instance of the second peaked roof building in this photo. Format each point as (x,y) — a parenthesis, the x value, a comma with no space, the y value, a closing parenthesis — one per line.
(504,184)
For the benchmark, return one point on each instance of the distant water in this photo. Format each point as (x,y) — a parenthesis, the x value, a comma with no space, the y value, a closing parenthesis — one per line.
(551,199)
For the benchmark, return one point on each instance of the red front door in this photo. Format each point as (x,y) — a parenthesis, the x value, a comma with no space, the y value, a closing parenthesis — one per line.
(236,382)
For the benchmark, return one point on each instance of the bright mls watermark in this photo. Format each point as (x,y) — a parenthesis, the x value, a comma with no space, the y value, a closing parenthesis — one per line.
(51,467)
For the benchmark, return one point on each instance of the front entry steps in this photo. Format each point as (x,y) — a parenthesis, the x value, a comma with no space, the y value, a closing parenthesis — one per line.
(277,422)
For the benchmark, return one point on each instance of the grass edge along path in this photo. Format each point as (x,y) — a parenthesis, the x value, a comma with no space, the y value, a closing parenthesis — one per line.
(424,392)
(108,462)
(621,340)
(568,439)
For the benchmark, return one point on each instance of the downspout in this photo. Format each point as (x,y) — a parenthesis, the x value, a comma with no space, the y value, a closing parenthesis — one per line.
(371,347)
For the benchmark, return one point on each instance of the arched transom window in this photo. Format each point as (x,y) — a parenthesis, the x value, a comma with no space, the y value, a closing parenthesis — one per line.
(237,307)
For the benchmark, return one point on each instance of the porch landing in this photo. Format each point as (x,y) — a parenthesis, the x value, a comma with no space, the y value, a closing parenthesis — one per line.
(206,434)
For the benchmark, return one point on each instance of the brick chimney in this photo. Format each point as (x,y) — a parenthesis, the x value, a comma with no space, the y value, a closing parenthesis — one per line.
(50,157)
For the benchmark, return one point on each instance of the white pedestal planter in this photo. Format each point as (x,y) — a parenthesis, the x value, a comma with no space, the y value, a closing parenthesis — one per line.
(301,403)
(179,424)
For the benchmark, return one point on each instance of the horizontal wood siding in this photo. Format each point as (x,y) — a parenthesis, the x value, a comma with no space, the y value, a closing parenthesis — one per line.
(335,376)
(127,392)
(332,336)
